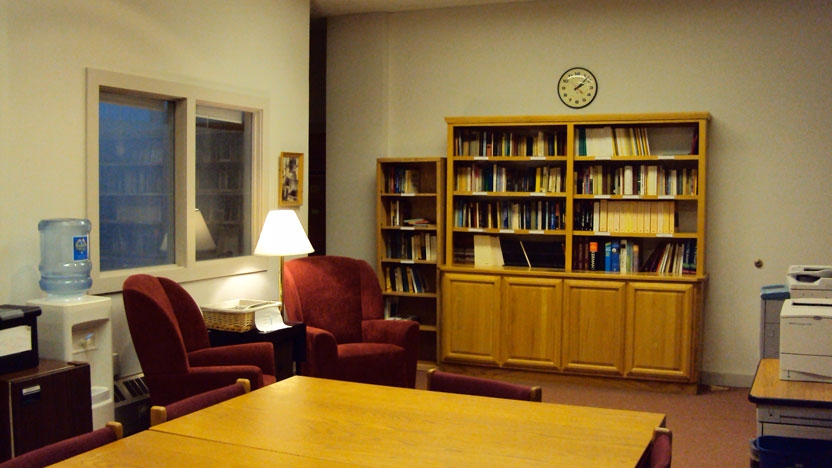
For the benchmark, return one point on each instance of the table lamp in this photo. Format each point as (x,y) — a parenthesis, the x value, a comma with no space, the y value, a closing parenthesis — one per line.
(282,235)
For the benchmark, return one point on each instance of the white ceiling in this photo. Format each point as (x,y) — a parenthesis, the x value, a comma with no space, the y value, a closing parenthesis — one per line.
(322,8)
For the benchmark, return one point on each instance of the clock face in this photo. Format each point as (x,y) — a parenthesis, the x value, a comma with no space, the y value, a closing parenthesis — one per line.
(577,87)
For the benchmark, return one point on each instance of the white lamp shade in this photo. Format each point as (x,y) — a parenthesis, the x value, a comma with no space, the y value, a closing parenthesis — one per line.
(282,235)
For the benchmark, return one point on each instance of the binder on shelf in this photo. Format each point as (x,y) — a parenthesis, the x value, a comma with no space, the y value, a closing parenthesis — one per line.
(487,251)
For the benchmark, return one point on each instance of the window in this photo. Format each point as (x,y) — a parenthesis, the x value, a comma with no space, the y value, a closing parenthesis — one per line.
(223,187)
(135,183)
(173,179)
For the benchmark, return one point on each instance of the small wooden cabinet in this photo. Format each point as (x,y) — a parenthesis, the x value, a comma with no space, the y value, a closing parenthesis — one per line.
(531,317)
(43,405)
(660,330)
(593,328)
(496,320)
(471,318)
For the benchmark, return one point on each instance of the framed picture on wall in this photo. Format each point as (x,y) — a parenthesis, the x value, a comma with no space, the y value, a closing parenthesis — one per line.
(291,179)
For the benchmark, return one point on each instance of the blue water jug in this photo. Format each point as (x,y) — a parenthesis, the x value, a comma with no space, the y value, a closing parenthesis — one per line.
(65,257)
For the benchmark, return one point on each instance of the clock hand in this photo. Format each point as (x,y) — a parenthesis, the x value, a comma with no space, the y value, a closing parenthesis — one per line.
(581,84)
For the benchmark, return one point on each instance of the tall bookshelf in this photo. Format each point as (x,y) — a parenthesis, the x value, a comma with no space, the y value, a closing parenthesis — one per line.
(409,223)
(576,244)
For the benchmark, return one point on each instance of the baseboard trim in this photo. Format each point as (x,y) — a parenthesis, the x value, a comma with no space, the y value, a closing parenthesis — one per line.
(726,380)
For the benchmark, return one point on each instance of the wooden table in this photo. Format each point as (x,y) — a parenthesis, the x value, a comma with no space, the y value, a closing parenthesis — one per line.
(788,407)
(161,450)
(342,424)
(768,388)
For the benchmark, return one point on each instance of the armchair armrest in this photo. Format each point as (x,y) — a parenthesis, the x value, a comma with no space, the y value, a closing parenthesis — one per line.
(322,345)
(253,354)
(198,380)
(397,332)
(404,333)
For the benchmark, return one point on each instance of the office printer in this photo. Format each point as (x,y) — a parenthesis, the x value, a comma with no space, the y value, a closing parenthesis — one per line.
(806,339)
(809,281)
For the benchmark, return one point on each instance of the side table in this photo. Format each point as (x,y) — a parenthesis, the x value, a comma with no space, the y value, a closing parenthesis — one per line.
(289,345)
(789,408)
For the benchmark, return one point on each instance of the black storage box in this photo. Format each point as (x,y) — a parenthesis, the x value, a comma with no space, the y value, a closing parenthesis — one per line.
(18,337)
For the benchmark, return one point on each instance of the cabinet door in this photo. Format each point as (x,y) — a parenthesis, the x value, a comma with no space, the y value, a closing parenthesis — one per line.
(593,326)
(531,320)
(659,329)
(470,318)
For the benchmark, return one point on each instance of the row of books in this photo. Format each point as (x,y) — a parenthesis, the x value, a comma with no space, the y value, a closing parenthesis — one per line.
(474,142)
(401,180)
(405,278)
(607,141)
(404,245)
(507,214)
(673,258)
(614,255)
(626,216)
(498,178)
(612,141)
(624,255)
(642,179)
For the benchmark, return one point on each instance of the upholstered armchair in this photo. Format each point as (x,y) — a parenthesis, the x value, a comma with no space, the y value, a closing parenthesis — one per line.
(171,341)
(347,338)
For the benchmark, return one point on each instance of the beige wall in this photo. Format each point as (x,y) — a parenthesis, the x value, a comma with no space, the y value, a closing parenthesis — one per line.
(257,47)
(759,68)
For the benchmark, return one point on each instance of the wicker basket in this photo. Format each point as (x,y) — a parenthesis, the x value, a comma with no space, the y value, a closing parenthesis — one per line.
(236,315)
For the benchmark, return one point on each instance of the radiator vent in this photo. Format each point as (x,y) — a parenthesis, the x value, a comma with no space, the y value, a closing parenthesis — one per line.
(129,390)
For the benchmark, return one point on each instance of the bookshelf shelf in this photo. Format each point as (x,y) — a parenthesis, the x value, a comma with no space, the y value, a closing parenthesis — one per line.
(595,222)
(410,238)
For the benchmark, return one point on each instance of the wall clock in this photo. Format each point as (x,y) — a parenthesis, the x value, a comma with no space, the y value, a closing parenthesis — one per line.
(577,87)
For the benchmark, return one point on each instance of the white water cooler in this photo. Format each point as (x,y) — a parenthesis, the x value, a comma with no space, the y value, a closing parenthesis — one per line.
(80,329)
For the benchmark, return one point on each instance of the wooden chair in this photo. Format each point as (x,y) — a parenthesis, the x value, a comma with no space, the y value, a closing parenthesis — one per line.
(160,414)
(456,383)
(661,448)
(67,448)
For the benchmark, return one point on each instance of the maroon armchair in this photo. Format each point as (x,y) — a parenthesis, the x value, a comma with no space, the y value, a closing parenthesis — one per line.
(171,341)
(347,338)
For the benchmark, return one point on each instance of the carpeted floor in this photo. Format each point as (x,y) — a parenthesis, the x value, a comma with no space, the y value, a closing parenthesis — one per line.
(710,430)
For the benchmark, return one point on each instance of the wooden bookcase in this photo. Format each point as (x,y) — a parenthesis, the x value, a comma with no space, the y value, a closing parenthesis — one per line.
(537,208)
(410,237)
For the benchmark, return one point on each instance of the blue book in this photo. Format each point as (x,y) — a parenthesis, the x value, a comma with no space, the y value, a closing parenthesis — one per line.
(608,256)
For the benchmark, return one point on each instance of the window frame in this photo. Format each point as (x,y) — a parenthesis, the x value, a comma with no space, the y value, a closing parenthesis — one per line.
(185,267)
